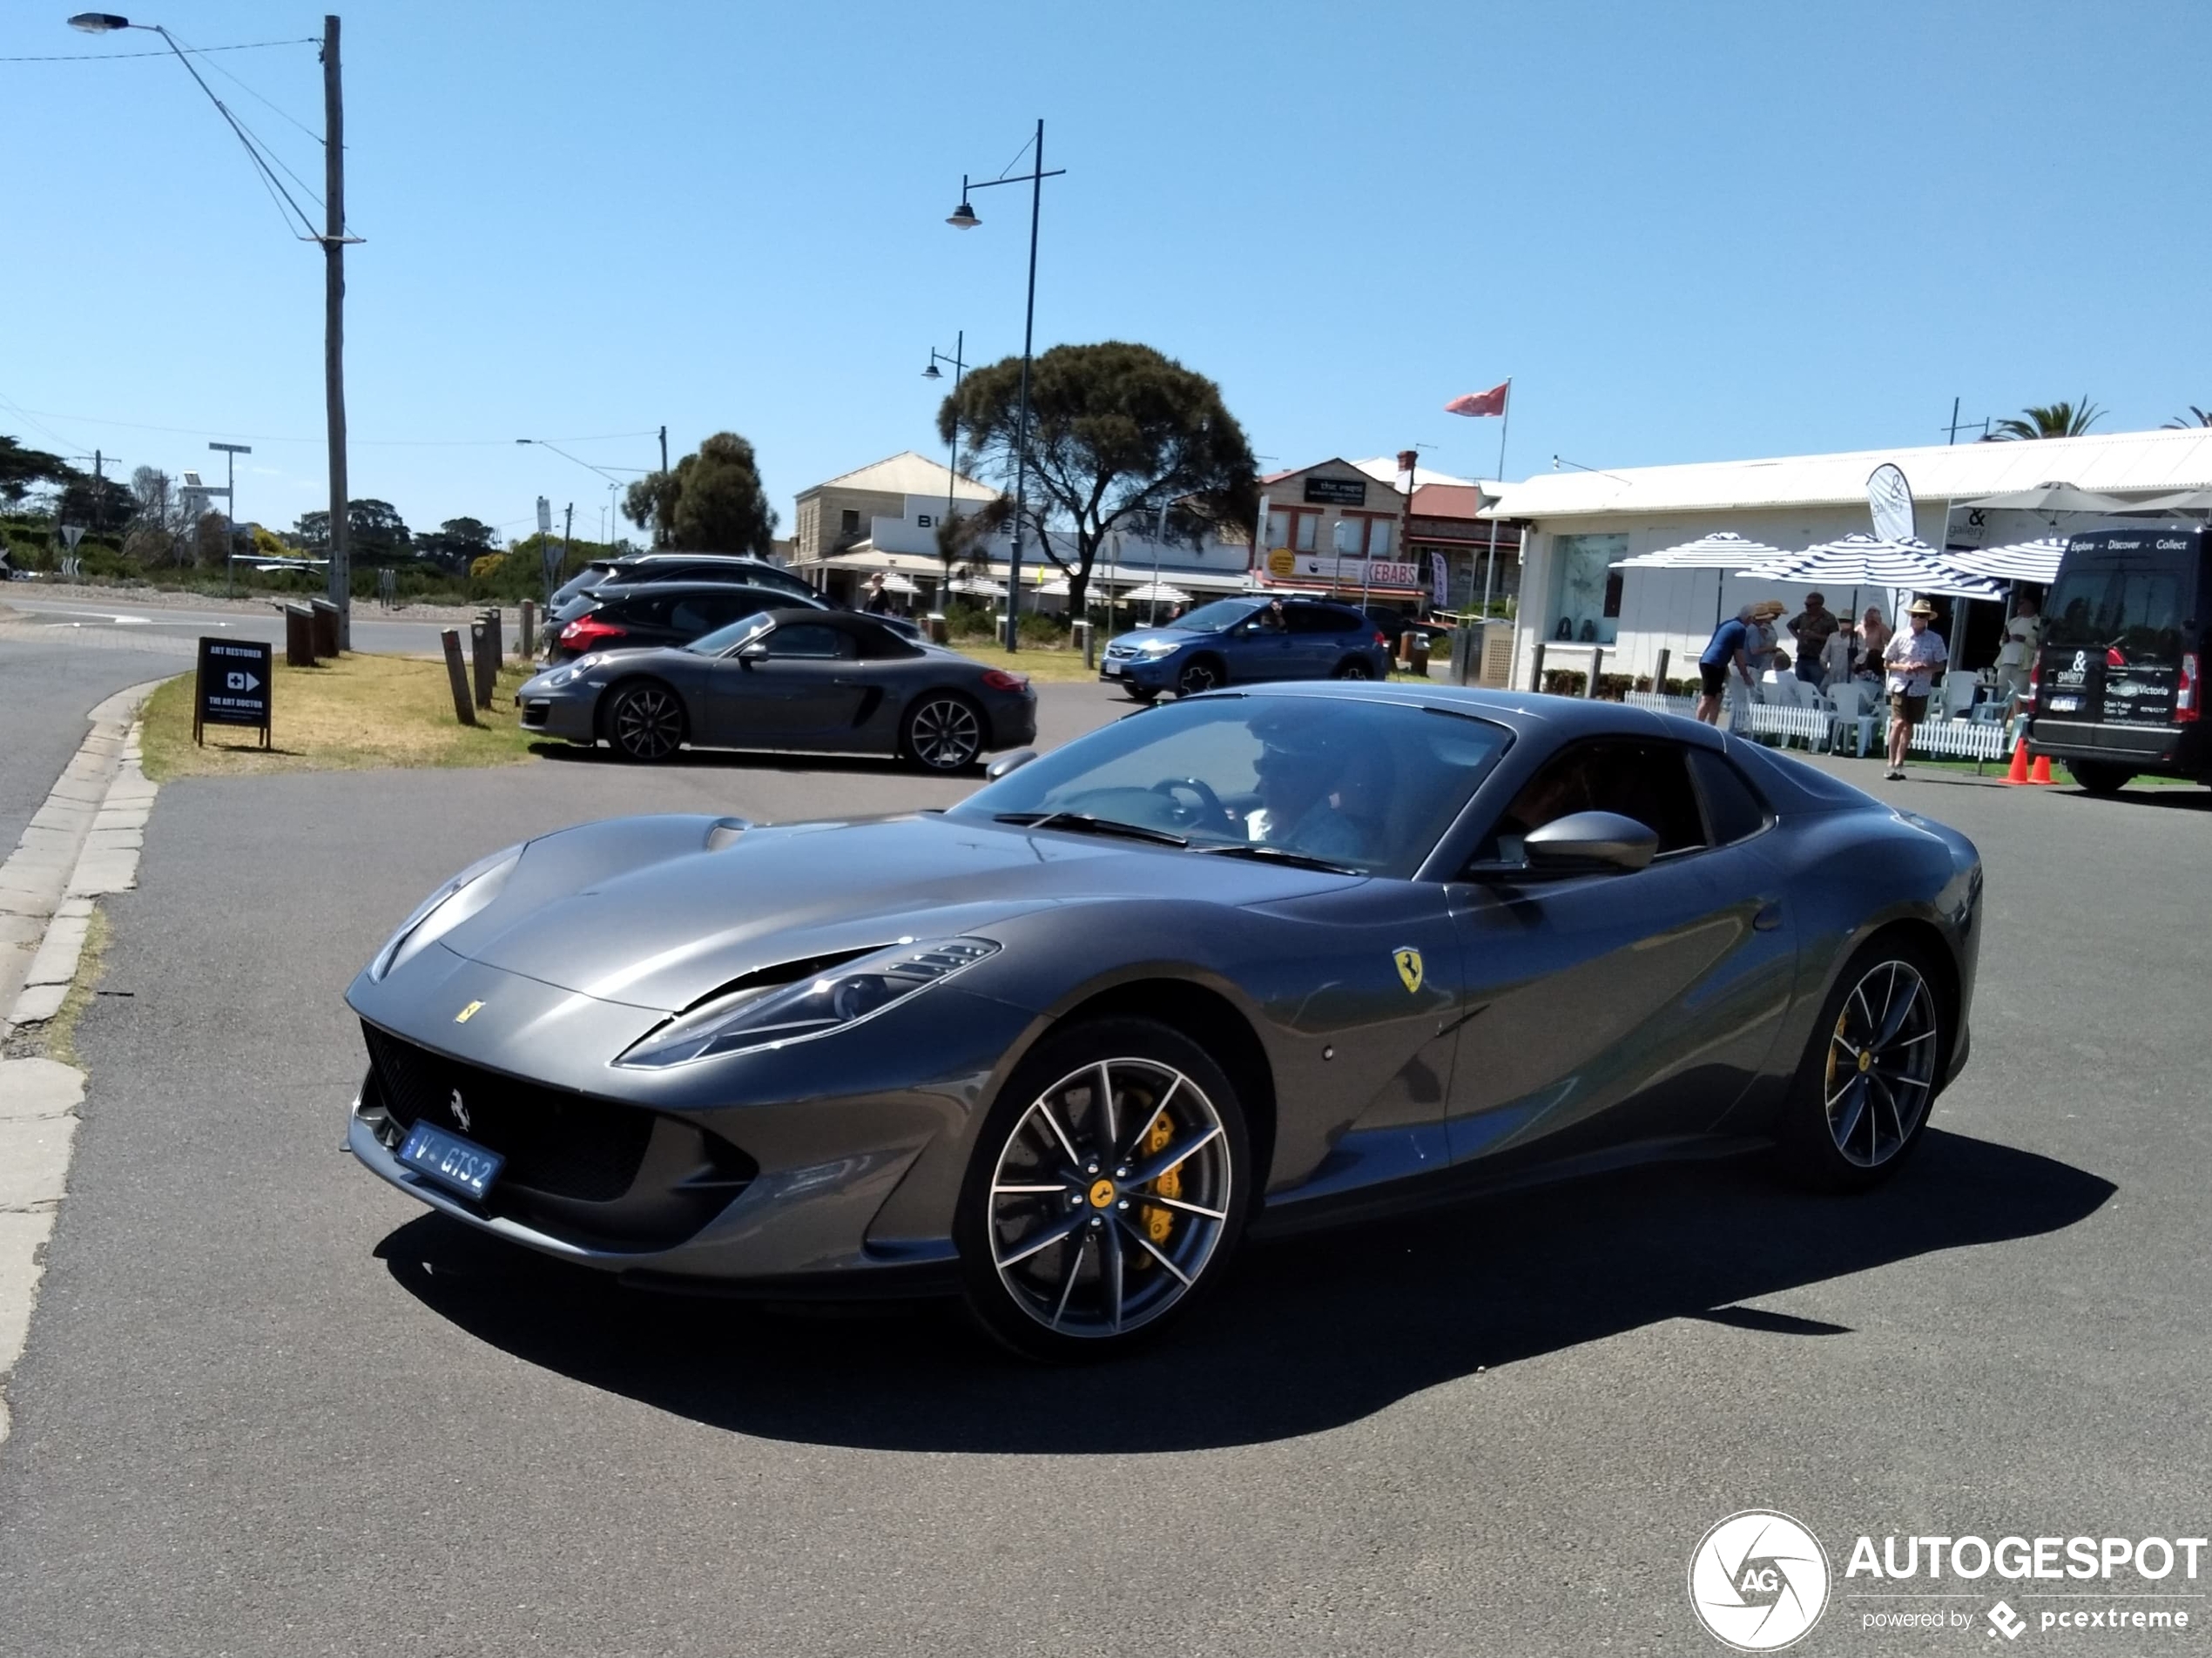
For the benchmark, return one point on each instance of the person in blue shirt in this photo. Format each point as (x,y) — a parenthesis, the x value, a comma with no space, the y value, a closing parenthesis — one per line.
(1730,644)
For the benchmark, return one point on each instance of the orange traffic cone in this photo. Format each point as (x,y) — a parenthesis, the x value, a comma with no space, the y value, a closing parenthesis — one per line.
(2042,772)
(2018,773)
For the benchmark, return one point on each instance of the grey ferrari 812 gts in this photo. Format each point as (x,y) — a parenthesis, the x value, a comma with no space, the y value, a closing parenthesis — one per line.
(1250,960)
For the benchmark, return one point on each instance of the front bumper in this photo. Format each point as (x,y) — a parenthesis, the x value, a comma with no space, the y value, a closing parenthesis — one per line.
(560,714)
(1145,673)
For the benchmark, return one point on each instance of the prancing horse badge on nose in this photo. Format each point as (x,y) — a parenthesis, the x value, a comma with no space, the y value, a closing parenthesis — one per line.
(1409,968)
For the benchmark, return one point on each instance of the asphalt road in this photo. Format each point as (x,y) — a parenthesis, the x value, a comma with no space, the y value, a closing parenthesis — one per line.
(270,1407)
(46,691)
(175,626)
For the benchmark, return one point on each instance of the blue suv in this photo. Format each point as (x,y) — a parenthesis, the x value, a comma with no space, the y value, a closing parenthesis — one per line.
(1232,641)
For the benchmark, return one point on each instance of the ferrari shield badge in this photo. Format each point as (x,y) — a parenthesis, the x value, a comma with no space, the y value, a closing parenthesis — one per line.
(1409,969)
(470,1012)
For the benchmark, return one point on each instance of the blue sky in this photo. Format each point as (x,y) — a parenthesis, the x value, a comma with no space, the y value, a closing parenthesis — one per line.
(1688,231)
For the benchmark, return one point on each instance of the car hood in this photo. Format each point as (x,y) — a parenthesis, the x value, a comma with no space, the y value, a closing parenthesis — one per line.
(636,911)
(1146,635)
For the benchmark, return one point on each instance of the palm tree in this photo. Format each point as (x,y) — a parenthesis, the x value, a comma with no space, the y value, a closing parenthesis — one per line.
(2197,417)
(2055,420)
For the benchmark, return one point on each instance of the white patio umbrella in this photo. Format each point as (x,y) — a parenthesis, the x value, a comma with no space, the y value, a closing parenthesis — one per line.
(1163,592)
(980,586)
(2022,560)
(894,582)
(1869,561)
(1722,551)
(1057,588)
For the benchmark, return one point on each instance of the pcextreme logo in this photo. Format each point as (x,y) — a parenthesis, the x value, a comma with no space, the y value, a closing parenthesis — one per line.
(1758,1581)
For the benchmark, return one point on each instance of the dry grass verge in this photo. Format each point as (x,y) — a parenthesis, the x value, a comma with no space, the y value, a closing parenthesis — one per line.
(354,714)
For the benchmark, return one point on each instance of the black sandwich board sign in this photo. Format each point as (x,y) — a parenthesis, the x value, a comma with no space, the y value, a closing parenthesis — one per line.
(233,686)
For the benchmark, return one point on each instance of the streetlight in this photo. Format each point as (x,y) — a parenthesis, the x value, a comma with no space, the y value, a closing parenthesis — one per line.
(333,239)
(231,452)
(952,466)
(963,217)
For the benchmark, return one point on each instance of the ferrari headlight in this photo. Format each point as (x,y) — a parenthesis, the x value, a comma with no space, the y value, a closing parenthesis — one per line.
(846,994)
(465,895)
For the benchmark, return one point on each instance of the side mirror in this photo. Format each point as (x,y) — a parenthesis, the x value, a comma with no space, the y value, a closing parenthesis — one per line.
(1585,841)
(749,653)
(1006,763)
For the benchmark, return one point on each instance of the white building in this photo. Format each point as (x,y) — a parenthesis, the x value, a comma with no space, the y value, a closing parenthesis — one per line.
(1577,525)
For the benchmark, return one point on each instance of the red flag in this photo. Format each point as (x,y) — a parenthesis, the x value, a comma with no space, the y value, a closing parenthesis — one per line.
(1490,402)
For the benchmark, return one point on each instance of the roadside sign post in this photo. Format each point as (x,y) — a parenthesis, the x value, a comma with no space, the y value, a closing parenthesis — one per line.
(232,687)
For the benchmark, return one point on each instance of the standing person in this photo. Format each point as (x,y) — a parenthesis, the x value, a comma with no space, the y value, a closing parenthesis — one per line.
(1839,657)
(879,600)
(1912,658)
(2023,644)
(1873,633)
(1730,645)
(1761,645)
(1813,627)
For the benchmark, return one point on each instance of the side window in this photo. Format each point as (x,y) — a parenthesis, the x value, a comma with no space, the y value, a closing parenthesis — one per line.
(1733,809)
(642,612)
(813,644)
(695,613)
(1645,781)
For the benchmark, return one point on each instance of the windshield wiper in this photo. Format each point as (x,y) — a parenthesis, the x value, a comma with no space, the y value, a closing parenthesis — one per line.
(1082,823)
(1279,855)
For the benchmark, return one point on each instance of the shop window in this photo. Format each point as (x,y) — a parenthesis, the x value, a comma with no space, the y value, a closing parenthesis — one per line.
(1586,603)
(849,520)
(1378,538)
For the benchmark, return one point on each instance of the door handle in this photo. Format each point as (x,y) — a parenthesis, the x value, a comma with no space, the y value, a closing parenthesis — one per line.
(1768,918)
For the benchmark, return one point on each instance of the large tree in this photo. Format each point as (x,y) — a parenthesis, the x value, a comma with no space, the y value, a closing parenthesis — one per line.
(710,502)
(376,533)
(1116,431)
(2047,419)
(458,542)
(21,469)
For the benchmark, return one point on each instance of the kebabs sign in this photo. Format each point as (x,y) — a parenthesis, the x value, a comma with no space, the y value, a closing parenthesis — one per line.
(233,686)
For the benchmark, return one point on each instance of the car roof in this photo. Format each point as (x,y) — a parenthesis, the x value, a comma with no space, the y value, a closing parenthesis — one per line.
(842,621)
(617,592)
(1524,711)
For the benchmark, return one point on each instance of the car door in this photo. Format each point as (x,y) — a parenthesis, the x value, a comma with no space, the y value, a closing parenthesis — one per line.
(1602,1008)
(1316,632)
(799,684)
(1259,647)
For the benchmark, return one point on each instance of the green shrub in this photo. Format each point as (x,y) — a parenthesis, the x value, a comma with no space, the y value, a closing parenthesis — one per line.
(1565,682)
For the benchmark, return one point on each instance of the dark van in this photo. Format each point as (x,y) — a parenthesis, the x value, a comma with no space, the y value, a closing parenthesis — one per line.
(2120,685)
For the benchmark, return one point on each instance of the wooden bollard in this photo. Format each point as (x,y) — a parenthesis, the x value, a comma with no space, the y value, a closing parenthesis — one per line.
(299,637)
(464,708)
(486,665)
(526,644)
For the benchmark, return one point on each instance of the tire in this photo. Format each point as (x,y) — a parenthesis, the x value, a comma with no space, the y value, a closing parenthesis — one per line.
(645,722)
(1063,1258)
(1352,668)
(1200,674)
(943,732)
(1858,1107)
(1148,697)
(2100,777)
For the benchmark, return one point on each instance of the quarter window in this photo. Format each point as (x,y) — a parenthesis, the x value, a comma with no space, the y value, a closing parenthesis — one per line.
(812,642)
(1733,810)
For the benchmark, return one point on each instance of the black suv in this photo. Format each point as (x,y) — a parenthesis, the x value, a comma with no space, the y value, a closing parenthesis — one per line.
(637,567)
(670,613)
(2120,682)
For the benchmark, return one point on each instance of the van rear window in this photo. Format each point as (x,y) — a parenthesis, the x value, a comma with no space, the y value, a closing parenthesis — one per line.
(2135,606)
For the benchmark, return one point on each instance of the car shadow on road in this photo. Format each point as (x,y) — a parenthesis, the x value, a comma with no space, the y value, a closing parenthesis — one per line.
(709,760)
(1308,1334)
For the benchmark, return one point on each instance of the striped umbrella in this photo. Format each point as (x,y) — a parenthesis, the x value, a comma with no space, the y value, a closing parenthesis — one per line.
(1869,561)
(2023,561)
(1722,551)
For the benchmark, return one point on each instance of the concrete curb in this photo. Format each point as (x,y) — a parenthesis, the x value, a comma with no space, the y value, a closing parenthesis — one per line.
(84,841)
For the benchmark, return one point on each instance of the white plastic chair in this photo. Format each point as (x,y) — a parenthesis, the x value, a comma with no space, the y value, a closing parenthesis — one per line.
(1849,700)
(1958,694)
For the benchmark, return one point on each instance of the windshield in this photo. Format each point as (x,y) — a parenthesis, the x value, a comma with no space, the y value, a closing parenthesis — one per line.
(1212,618)
(1364,786)
(2135,606)
(723,640)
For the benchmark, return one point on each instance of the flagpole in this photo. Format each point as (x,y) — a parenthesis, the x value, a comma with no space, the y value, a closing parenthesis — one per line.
(1490,562)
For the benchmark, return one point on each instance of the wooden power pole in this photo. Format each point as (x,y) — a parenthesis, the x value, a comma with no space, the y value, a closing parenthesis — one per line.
(333,327)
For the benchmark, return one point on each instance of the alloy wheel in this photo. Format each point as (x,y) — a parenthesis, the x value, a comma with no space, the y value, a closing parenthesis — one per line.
(1353,668)
(648,722)
(1195,677)
(1882,1058)
(945,734)
(1110,1197)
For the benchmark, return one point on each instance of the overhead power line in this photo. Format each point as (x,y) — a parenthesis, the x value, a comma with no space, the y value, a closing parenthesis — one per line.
(117,58)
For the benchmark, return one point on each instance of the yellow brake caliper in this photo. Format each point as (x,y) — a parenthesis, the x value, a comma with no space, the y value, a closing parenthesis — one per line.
(1158,1221)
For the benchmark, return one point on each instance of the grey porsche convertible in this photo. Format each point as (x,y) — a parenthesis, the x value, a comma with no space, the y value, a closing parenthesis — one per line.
(1256,959)
(810,680)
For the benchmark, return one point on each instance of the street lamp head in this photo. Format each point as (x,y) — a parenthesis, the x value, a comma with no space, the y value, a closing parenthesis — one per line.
(931,373)
(98,22)
(963,217)
(525,440)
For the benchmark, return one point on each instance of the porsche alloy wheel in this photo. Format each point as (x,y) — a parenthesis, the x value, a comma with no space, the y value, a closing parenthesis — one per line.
(944,733)
(1111,1193)
(1874,1070)
(646,722)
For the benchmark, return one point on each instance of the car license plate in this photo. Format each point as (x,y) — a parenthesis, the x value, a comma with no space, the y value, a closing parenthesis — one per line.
(1109,669)
(2065,704)
(462,1164)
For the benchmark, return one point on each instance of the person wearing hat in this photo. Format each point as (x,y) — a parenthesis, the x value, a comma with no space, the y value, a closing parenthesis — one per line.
(1764,614)
(1812,628)
(1913,659)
